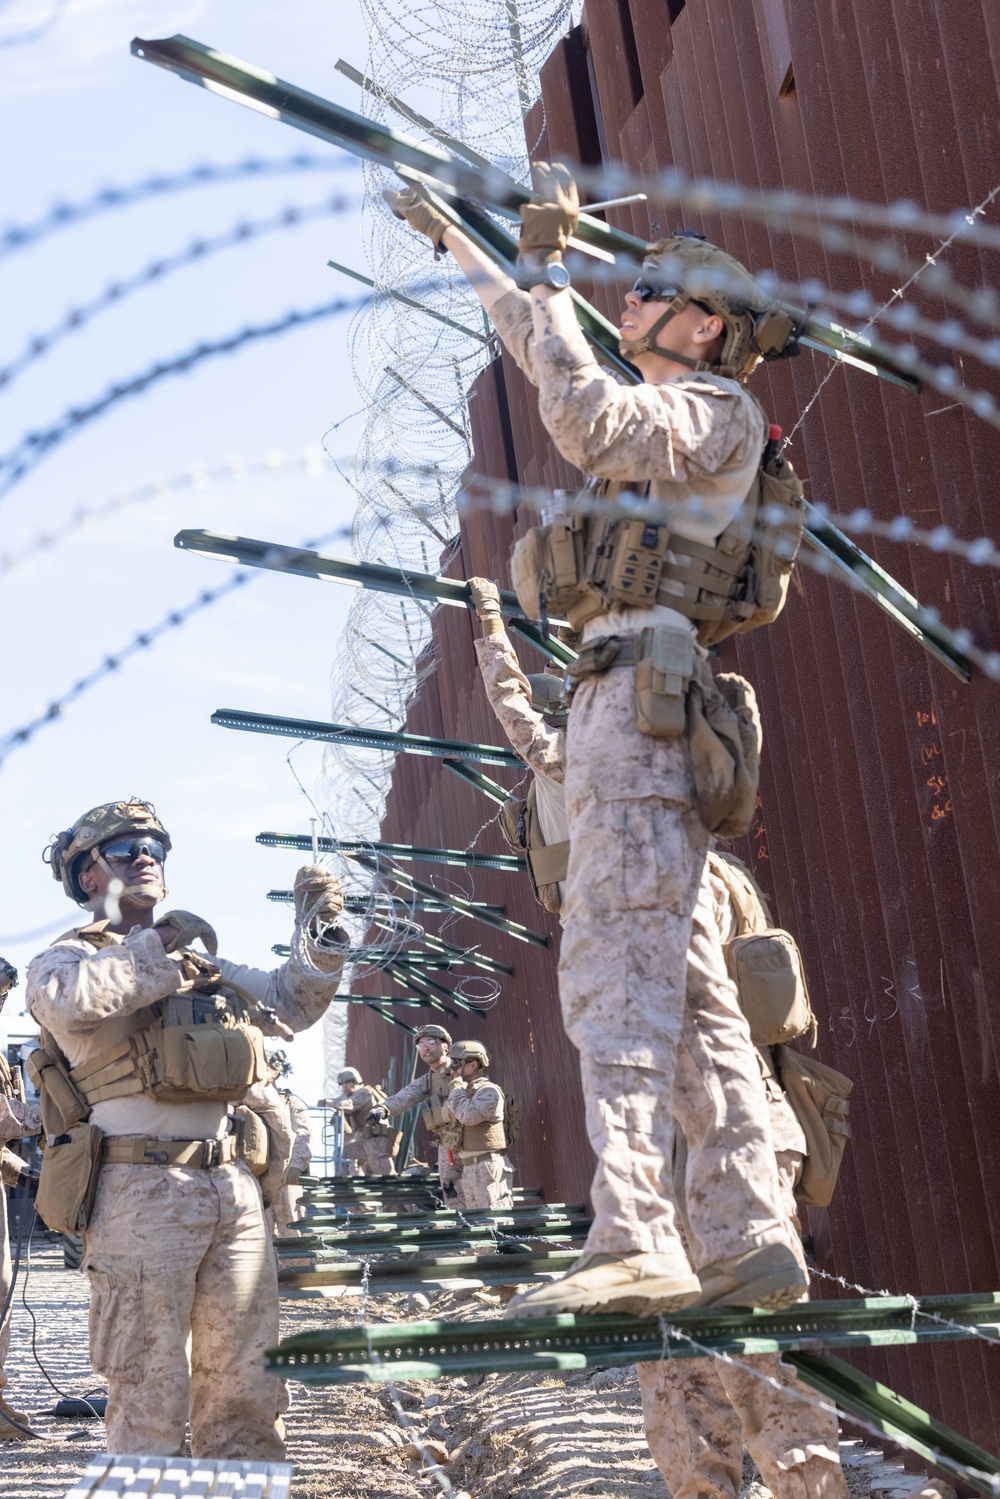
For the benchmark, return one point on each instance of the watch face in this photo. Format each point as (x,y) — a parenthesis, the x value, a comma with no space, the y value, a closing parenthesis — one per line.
(558,276)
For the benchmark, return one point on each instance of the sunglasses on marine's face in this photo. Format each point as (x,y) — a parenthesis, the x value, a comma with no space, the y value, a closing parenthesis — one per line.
(647,293)
(127,850)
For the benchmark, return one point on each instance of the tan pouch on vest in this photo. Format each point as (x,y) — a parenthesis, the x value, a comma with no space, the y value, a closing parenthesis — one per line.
(624,561)
(818,1094)
(71,1163)
(724,738)
(253,1146)
(206,1061)
(662,673)
(547,862)
(547,569)
(766,968)
(62,1103)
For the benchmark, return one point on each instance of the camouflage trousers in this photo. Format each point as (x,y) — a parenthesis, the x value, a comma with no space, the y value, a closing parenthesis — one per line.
(449,1166)
(486,1183)
(6,1275)
(369,1158)
(647,1001)
(184,1301)
(699,1413)
(286,1205)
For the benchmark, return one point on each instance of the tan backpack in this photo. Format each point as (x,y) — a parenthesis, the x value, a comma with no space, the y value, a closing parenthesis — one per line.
(763,961)
(818,1094)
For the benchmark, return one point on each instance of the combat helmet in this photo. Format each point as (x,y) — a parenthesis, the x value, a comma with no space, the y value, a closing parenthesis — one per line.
(349,1075)
(99,825)
(434,1032)
(695,270)
(547,698)
(466,1051)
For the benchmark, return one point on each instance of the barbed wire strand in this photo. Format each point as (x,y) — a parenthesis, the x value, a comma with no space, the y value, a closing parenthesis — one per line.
(17,237)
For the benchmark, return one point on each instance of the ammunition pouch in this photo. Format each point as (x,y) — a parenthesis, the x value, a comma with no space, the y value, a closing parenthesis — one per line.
(549,572)
(663,669)
(724,738)
(193,1048)
(71,1164)
(819,1097)
(449,1136)
(253,1145)
(63,1105)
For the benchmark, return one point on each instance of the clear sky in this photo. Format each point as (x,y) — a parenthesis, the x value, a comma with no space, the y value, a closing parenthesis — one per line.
(77,112)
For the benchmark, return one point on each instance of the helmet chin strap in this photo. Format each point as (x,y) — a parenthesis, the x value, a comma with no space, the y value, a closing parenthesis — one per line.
(137,895)
(632,348)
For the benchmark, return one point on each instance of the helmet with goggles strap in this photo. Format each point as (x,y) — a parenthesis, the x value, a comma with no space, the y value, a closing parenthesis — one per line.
(470,1051)
(133,821)
(686,267)
(432,1033)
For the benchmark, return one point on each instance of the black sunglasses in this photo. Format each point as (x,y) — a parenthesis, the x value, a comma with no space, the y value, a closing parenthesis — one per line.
(647,293)
(127,850)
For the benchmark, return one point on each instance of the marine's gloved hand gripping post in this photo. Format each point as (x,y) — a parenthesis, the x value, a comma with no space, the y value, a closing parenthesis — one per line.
(452,185)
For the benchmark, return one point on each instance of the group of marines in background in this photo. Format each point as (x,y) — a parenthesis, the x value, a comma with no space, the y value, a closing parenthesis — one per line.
(709,1131)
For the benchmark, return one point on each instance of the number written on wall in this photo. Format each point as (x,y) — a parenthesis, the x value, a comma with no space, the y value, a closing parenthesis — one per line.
(932,764)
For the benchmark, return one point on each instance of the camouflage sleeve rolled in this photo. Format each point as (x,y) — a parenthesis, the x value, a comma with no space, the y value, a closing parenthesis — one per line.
(409,1097)
(677,431)
(484,1106)
(298,991)
(540,746)
(511,317)
(69,981)
(18,1119)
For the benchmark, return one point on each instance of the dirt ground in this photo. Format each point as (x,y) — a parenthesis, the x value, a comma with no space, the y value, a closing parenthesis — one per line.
(504,1436)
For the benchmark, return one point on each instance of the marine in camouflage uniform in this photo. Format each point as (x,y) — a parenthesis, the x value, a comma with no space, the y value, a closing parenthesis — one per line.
(633,908)
(367,1148)
(184,1296)
(18,1119)
(286,1207)
(478,1106)
(699,1413)
(429,1093)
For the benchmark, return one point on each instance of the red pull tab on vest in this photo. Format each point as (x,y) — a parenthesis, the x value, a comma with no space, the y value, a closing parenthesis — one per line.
(774,433)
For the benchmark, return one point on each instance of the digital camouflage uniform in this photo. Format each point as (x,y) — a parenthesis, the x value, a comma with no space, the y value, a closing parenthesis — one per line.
(699,1413)
(632,910)
(429,1093)
(286,1206)
(269,1106)
(16,1121)
(184,1295)
(541,745)
(363,1155)
(487,1175)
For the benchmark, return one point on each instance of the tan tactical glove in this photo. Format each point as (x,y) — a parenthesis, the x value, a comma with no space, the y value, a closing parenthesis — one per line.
(485,596)
(408,204)
(188,928)
(548,221)
(319,900)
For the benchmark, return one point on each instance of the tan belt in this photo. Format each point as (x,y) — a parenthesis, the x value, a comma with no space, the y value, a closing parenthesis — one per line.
(473,1160)
(129,1150)
(601,655)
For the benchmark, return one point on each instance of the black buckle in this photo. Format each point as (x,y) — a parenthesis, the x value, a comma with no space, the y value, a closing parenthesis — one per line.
(212,1152)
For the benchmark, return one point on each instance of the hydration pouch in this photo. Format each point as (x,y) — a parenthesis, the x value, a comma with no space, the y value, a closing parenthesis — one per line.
(663,672)
(62,1103)
(724,738)
(253,1146)
(819,1097)
(624,562)
(766,968)
(67,1186)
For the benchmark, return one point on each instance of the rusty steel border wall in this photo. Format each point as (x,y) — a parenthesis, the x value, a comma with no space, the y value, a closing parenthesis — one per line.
(877,833)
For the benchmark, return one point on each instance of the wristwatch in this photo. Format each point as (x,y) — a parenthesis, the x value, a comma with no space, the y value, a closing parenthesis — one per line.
(553,273)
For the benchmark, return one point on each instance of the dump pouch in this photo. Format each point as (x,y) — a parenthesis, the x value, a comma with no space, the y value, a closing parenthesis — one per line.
(662,673)
(766,968)
(724,738)
(253,1145)
(71,1164)
(818,1095)
(62,1103)
(547,862)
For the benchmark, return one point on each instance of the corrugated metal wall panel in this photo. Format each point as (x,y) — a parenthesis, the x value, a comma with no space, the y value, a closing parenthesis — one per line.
(879,824)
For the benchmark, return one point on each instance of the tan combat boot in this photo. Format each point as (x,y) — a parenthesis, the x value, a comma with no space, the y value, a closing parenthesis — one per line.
(769,1277)
(640,1285)
(8,1432)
